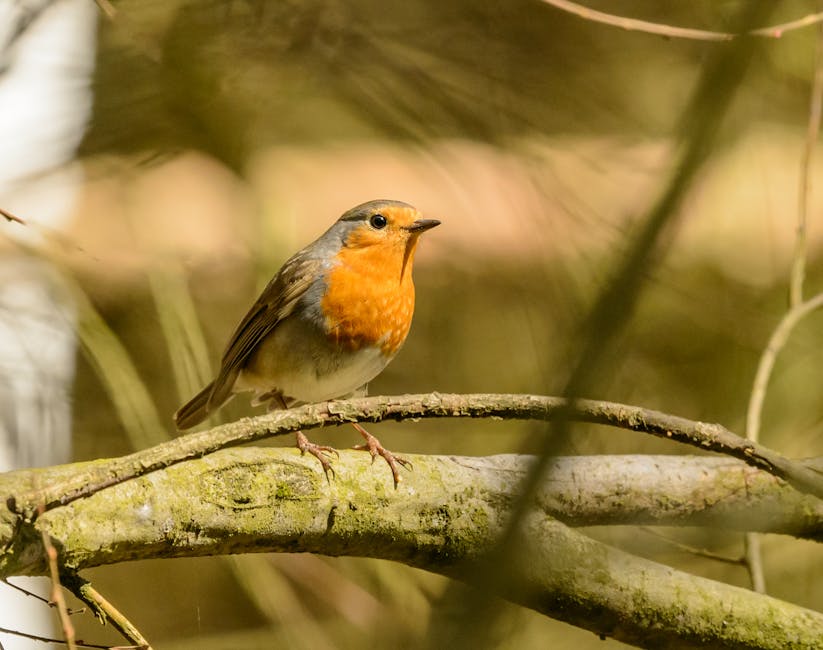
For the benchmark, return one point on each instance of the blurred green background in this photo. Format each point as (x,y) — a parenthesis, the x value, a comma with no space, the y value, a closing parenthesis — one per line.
(226,135)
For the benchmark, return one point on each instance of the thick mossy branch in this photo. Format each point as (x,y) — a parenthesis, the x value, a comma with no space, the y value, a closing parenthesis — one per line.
(444,517)
(712,437)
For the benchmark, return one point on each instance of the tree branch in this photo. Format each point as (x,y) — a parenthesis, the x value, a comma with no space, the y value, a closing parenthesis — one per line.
(445,517)
(708,437)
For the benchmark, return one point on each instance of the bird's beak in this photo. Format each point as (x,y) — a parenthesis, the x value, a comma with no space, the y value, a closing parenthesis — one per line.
(422,225)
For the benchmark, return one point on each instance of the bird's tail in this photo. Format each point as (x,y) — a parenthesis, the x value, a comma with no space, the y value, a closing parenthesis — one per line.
(195,410)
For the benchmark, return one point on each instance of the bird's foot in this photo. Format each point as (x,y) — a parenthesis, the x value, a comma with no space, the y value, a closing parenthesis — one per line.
(320,452)
(374,447)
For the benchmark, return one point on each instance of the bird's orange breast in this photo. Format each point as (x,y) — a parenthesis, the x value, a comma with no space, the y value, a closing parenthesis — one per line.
(369,299)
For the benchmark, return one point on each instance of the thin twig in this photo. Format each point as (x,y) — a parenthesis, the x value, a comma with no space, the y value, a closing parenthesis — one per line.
(670,31)
(778,339)
(26,592)
(753,561)
(104,610)
(57,591)
(797,308)
(804,194)
(778,31)
(11,217)
(45,639)
(776,343)
(45,601)
(693,550)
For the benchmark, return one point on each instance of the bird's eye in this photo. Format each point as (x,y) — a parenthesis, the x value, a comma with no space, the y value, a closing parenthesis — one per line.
(378,221)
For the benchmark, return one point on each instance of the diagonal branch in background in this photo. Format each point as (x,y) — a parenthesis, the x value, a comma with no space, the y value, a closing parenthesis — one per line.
(708,437)
(699,126)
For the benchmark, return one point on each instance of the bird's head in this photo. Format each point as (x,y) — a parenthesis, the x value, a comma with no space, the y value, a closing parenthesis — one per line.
(384,223)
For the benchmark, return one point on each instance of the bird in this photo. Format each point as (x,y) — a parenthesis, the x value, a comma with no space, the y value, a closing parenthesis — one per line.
(329,321)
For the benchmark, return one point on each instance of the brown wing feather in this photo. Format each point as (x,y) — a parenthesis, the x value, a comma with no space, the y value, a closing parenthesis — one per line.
(275,303)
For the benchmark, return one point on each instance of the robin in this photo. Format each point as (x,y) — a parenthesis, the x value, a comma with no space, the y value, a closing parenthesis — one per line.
(329,321)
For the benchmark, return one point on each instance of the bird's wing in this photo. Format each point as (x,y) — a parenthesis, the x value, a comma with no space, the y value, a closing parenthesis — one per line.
(277,301)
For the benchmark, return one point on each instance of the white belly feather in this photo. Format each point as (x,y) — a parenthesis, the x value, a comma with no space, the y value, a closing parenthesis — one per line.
(308,368)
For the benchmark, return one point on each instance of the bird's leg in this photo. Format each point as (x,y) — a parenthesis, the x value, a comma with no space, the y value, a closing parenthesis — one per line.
(320,452)
(374,447)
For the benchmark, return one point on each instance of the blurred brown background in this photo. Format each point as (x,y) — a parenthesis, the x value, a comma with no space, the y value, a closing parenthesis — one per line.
(226,135)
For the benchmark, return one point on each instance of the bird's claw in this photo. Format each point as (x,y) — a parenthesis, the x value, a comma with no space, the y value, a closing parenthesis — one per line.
(373,446)
(321,452)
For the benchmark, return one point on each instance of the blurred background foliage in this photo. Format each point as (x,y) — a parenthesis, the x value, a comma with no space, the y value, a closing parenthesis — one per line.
(226,135)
